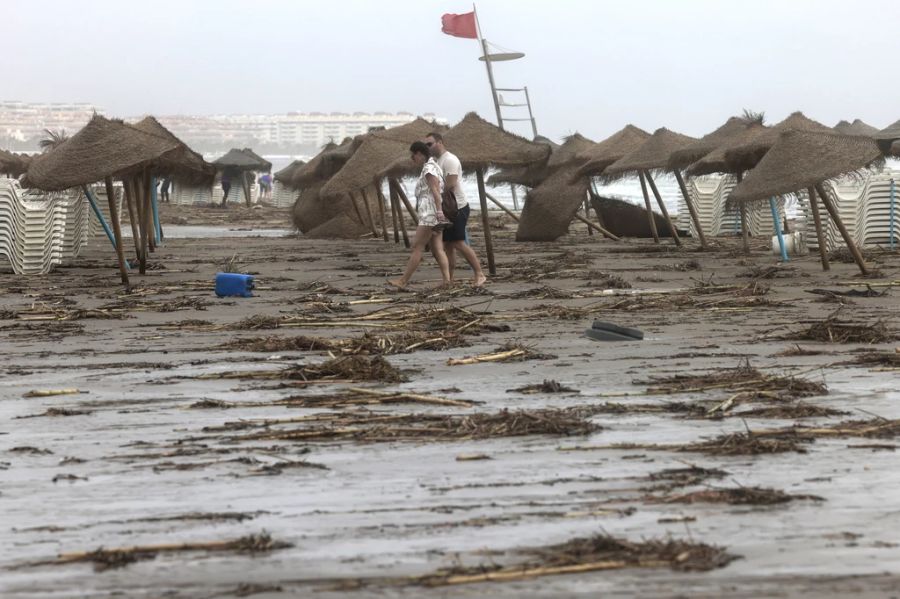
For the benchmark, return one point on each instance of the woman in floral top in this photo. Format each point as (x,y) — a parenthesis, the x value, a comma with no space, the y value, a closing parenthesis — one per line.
(432,221)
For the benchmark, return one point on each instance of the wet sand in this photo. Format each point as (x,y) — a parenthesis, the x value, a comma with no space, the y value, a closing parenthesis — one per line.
(146,453)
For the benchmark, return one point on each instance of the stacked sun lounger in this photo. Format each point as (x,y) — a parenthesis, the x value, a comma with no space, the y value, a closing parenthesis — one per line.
(283,197)
(188,196)
(99,192)
(864,205)
(39,230)
(709,195)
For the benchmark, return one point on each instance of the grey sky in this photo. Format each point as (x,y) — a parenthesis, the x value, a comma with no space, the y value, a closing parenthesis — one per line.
(590,66)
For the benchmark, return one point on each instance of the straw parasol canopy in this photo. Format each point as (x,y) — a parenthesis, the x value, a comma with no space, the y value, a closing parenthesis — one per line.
(182,162)
(802,159)
(887,136)
(611,149)
(378,152)
(560,155)
(12,163)
(652,155)
(102,148)
(242,160)
(480,144)
(684,157)
(714,162)
(745,157)
(284,175)
(308,173)
(857,127)
(551,206)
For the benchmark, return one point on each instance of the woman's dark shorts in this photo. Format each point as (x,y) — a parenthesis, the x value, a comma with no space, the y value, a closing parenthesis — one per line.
(457,232)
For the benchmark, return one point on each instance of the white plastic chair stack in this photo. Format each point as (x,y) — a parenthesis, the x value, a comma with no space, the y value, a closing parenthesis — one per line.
(185,195)
(40,230)
(874,227)
(283,197)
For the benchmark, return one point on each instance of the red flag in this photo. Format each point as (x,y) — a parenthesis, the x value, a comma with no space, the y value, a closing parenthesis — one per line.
(460,25)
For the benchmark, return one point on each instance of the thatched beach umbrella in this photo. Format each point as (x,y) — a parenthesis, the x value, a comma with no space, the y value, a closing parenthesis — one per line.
(242,162)
(887,136)
(285,175)
(804,160)
(742,158)
(526,176)
(653,155)
(182,163)
(857,127)
(613,148)
(681,159)
(479,145)
(558,194)
(13,164)
(101,150)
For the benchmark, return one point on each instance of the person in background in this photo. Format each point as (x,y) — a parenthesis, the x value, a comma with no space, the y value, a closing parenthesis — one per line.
(455,236)
(226,186)
(430,214)
(265,186)
(164,189)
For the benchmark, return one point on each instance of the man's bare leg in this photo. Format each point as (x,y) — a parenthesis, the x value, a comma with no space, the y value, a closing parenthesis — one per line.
(468,253)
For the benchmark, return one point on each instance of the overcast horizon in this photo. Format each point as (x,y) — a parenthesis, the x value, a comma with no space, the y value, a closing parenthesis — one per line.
(591,67)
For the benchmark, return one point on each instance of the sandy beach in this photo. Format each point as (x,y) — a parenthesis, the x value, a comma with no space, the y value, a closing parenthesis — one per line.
(331,437)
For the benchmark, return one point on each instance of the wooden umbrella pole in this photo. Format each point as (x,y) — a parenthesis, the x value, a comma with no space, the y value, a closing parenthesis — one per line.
(598,228)
(587,216)
(148,211)
(402,195)
(142,226)
(497,203)
(365,200)
(246,186)
(662,208)
(381,204)
(745,225)
(395,199)
(393,203)
(117,231)
(485,221)
(836,219)
(695,216)
(356,209)
(128,186)
(820,235)
(649,209)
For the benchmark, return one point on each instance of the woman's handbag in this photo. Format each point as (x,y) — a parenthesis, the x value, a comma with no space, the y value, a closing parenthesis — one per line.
(448,204)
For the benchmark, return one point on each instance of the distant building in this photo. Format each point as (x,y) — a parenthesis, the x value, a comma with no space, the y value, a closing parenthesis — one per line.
(23,123)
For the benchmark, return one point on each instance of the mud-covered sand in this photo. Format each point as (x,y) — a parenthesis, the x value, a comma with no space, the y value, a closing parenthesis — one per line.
(172,438)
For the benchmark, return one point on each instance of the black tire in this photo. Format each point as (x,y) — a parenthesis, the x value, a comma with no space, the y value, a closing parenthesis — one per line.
(600,325)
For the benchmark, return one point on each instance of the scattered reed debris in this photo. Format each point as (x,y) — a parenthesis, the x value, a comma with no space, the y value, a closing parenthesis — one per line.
(278,344)
(548,386)
(588,554)
(368,343)
(105,559)
(834,330)
(342,368)
(733,496)
(374,427)
(510,352)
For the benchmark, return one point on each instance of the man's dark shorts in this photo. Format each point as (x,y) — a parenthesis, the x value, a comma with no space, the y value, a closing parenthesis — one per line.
(457,232)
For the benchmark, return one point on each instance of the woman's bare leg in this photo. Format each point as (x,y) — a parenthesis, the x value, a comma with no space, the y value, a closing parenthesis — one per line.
(437,248)
(423,235)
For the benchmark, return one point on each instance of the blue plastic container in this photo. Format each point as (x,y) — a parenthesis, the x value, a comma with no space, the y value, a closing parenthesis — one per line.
(230,284)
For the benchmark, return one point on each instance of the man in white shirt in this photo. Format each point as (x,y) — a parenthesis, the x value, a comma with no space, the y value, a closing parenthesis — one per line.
(455,236)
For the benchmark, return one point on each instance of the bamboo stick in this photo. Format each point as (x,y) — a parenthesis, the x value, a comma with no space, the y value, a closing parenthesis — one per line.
(836,218)
(599,229)
(368,208)
(691,208)
(649,209)
(662,208)
(820,235)
(745,229)
(502,207)
(488,241)
(117,230)
(402,195)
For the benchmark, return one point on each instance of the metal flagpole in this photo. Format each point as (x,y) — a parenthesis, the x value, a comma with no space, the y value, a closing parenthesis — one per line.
(490,74)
